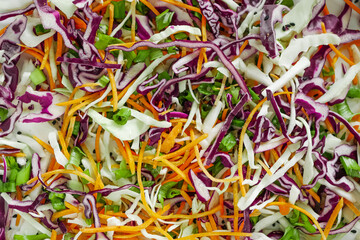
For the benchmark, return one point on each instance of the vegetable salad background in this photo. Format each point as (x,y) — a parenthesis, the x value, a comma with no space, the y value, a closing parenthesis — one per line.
(179,119)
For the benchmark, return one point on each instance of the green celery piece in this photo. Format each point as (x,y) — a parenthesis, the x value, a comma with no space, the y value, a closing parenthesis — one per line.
(54,195)
(119,9)
(164,189)
(39,29)
(164,19)
(123,171)
(75,156)
(3,114)
(103,81)
(122,116)
(354,92)
(142,55)
(351,167)
(228,142)
(24,174)
(31,237)
(295,216)
(37,76)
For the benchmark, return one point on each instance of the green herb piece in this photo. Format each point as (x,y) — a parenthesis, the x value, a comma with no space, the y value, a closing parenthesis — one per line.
(103,28)
(217,167)
(142,55)
(69,236)
(24,174)
(122,116)
(123,171)
(164,75)
(89,221)
(181,36)
(295,216)
(185,96)
(37,76)
(155,53)
(145,184)
(228,142)
(235,93)
(142,8)
(288,3)
(164,19)
(103,81)
(328,73)
(154,171)
(119,9)
(58,204)
(40,30)
(205,109)
(254,220)
(75,156)
(3,114)
(254,95)
(291,233)
(239,123)
(83,180)
(351,167)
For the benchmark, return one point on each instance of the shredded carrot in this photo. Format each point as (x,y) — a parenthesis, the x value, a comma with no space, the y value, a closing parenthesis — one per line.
(44,145)
(2,31)
(70,130)
(333,216)
(236,208)
(53,235)
(58,47)
(135,105)
(63,171)
(326,10)
(151,7)
(303,211)
(47,46)
(111,18)
(335,49)
(169,142)
(284,209)
(101,6)
(353,6)
(186,197)
(352,207)
(63,145)
(97,144)
(218,233)
(261,55)
(79,100)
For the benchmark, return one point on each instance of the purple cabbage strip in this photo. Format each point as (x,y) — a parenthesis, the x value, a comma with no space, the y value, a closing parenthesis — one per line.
(144,30)
(4,16)
(347,125)
(271,15)
(50,19)
(8,125)
(345,229)
(214,147)
(331,201)
(191,44)
(212,18)
(83,130)
(9,43)
(92,25)
(88,63)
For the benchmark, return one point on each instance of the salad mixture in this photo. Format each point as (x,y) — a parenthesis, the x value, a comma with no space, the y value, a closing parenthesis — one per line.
(179,119)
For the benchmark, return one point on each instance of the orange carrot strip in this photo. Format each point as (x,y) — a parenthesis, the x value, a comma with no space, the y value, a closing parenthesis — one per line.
(353,6)
(151,7)
(59,46)
(333,217)
(261,55)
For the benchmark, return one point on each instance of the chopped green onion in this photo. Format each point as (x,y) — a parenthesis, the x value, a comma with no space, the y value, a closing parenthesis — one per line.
(7,187)
(3,114)
(235,93)
(83,180)
(205,88)
(11,162)
(351,167)
(24,174)
(75,156)
(185,96)
(37,76)
(239,123)
(145,184)
(344,110)
(228,142)
(103,81)
(164,19)
(54,195)
(164,75)
(31,237)
(217,167)
(75,185)
(142,8)
(154,171)
(123,171)
(122,116)
(89,221)
(295,216)
(39,30)
(119,9)
(164,189)
(58,204)
(205,109)
(288,3)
